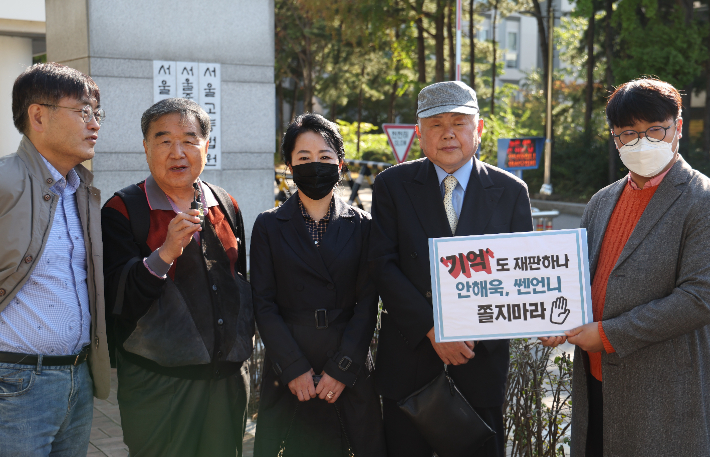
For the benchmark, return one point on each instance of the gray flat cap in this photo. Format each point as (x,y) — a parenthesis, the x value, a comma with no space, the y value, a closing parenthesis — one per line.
(446,97)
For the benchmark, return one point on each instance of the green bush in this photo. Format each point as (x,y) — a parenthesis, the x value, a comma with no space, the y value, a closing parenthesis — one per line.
(372,142)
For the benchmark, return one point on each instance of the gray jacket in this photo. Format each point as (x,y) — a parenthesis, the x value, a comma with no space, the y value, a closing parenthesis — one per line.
(27,209)
(657,384)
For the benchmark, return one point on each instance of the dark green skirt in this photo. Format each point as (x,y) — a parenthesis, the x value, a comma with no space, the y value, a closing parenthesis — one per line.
(173,417)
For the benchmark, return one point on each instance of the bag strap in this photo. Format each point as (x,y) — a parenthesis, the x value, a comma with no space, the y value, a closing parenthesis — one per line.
(282,446)
(138,209)
(138,213)
(139,216)
(235,222)
(350,451)
(225,201)
(118,304)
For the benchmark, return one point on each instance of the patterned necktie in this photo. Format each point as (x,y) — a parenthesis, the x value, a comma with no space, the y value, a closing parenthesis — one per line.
(450,183)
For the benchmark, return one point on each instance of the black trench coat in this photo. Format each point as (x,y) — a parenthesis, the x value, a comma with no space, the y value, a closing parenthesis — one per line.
(292,278)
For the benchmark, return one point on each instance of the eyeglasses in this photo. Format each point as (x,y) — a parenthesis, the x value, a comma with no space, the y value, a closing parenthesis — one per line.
(655,134)
(87,113)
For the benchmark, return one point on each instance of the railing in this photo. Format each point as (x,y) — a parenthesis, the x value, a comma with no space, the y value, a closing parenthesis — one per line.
(256,374)
(542,220)
(367,171)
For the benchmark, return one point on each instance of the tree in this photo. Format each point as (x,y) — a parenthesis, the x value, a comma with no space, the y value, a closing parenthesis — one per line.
(494,69)
(706,123)
(472,43)
(589,90)
(451,37)
(609,73)
(542,35)
(497,9)
(421,51)
(301,36)
(664,39)
(439,19)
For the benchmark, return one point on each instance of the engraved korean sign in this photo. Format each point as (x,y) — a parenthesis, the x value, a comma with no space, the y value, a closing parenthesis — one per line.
(200,82)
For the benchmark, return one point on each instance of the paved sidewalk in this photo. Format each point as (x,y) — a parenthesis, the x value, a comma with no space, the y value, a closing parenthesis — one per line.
(107,435)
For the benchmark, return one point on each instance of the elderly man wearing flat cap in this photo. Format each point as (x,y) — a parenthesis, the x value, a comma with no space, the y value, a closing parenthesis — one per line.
(448,193)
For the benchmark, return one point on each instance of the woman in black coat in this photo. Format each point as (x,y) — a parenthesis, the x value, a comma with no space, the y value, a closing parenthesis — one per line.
(316,310)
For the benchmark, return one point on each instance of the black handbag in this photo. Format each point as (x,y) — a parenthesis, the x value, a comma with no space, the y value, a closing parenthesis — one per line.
(445,419)
(348,451)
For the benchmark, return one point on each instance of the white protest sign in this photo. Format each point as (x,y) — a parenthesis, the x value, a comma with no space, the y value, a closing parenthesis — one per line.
(163,80)
(511,285)
(400,138)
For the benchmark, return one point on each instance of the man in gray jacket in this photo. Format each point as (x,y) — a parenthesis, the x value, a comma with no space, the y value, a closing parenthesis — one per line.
(51,283)
(641,369)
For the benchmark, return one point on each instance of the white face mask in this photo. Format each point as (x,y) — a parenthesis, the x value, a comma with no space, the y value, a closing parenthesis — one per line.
(647,158)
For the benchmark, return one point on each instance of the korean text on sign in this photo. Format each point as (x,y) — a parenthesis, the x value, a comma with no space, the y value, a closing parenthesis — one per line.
(509,285)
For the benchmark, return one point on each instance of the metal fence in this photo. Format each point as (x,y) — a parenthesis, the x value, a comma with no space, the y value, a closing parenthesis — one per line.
(256,373)
(542,220)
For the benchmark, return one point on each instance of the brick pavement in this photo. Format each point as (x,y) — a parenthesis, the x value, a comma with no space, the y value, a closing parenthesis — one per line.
(107,435)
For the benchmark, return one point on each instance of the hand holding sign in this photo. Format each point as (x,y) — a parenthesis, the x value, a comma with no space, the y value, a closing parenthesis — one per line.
(559,312)
(587,337)
(456,353)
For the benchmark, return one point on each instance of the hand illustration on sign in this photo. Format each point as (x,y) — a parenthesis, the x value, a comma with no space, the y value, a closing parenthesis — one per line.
(559,312)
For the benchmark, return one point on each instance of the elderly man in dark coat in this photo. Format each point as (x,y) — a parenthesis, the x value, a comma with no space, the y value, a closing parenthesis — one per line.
(640,370)
(449,193)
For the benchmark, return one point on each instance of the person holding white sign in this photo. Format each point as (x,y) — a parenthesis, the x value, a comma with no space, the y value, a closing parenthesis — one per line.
(449,193)
(640,371)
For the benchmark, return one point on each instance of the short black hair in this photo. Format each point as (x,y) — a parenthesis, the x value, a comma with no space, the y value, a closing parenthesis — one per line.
(310,122)
(48,83)
(183,106)
(646,100)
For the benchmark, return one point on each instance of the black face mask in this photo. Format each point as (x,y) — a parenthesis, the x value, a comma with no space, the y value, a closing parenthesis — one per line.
(316,179)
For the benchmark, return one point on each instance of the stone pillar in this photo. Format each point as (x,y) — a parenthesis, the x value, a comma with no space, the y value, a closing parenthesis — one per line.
(15,57)
(116,43)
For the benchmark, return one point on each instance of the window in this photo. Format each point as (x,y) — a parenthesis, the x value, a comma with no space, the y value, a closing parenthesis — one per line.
(512,41)
(511,54)
(483,33)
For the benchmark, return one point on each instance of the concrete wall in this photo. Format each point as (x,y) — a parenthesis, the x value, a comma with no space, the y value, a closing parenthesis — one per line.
(26,10)
(16,56)
(21,25)
(116,42)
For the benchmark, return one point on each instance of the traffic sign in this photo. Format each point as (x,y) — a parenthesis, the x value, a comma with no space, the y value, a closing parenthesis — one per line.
(400,138)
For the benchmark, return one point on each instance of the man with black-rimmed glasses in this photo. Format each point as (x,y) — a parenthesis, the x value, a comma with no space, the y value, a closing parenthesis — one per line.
(51,283)
(639,381)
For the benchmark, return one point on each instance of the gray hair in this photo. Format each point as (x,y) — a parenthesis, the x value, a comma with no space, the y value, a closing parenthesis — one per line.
(183,106)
